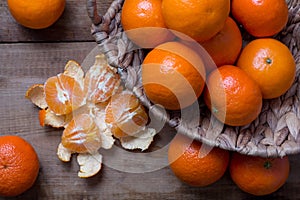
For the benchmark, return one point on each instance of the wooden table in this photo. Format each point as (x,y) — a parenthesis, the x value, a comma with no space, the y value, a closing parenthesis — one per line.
(31,56)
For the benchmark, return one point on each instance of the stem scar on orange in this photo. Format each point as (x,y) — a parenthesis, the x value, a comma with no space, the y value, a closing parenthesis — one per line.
(257,175)
(173,75)
(19,165)
(271,64)
(232,96)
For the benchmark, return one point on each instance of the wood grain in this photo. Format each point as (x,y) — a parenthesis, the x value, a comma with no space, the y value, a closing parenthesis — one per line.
(30,56)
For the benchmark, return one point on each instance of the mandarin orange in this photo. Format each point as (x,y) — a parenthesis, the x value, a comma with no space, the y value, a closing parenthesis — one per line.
(232,96)
(194,166)
(261,18)
(143,23)
(198,19)
(36,14)
(173,75)
(259,176)
(19,165)
(225,47)
(271,64)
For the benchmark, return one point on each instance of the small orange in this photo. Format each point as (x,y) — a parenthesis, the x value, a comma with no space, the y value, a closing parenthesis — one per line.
(225,47)
(232,96)
(271,64)
(125,115)
(144,24)
(19,165)
(36,14)
(173,75)
(63,94)
(259,176)
(81,135)
(261,18)
(199,19)
(190,165)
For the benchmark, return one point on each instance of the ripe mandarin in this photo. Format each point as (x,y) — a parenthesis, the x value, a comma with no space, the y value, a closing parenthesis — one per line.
(173,75)
(259,176)
(271,64)
(232,96)
(19,165)
(260,18)
(194,167)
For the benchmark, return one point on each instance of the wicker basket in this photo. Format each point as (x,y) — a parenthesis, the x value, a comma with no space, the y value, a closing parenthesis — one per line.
(274,133)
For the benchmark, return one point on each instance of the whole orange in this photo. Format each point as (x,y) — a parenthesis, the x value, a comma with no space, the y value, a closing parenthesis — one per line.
(195,166)
(271,64)
(261,18)
(143,22)
(257,175)
(232,96)
(173,75)
(36,14)
(199,19)
(19,165)
(225,47)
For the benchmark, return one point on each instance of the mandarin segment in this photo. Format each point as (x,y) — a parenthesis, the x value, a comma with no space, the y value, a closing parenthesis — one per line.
(63,94)
(81,135)
(101,81)
(125,115)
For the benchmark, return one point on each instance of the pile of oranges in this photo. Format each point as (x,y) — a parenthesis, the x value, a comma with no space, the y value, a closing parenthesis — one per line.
(177,73)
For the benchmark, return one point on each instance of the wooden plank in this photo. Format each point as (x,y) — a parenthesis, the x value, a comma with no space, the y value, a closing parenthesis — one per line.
(73,25)
(25,64)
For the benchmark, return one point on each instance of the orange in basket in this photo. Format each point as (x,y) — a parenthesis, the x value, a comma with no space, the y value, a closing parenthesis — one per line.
(261,18)
(271,64)
(143,22)
(173,75)
(200,20)
(232,96)
(225,47)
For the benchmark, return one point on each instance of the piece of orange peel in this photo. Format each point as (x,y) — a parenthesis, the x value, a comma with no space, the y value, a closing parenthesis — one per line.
(89,162)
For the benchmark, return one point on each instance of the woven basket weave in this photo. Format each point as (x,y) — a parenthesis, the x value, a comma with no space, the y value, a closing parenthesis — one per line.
(274,133)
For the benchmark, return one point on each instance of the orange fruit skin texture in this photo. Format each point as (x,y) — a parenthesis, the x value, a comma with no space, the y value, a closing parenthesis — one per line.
(125,114)
(198,19)
(144,24)
(232,96)
(190,167)
(259,176)
(173,75)
(225,47)
(271,64)
(262,18)
(36,14)
(19,165)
